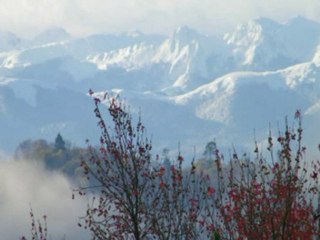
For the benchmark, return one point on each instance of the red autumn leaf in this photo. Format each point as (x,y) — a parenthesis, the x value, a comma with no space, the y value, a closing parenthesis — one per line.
(211,190)
(180,158)
(162,184)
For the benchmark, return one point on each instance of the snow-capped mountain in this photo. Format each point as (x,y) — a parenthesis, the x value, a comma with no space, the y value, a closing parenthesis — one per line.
(187,59)
(191,87)
(264,44)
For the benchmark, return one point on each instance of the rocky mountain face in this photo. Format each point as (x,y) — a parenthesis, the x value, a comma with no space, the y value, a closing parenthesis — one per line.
(191,87)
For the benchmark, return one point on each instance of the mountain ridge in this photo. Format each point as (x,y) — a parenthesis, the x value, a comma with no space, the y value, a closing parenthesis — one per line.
(194,82)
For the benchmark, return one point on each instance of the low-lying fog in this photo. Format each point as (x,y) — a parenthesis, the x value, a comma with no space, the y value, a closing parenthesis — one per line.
(25,183)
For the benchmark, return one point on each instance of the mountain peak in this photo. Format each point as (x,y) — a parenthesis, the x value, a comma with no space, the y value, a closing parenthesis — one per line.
(53,34)
(186,33)
(262,24)
(265,42)
(300,20)
(133,33)
(266,21)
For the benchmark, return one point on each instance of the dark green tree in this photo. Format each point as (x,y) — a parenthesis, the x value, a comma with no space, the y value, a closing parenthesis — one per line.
(59,143)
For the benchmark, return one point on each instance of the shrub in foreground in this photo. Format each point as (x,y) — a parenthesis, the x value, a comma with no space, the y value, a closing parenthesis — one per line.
(133,197)
(275,197)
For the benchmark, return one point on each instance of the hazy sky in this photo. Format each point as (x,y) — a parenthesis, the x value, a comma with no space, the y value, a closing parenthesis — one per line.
(28,17)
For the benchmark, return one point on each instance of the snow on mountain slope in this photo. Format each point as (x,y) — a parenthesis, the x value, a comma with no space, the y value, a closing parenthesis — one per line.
(231,98)
(243,101)
(183,61)
(191,87)
(187,56)
(31,56)
(263,44)
(129,58)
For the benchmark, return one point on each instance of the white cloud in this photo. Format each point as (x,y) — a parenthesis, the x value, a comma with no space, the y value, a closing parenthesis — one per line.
(49,193)
(28,17)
